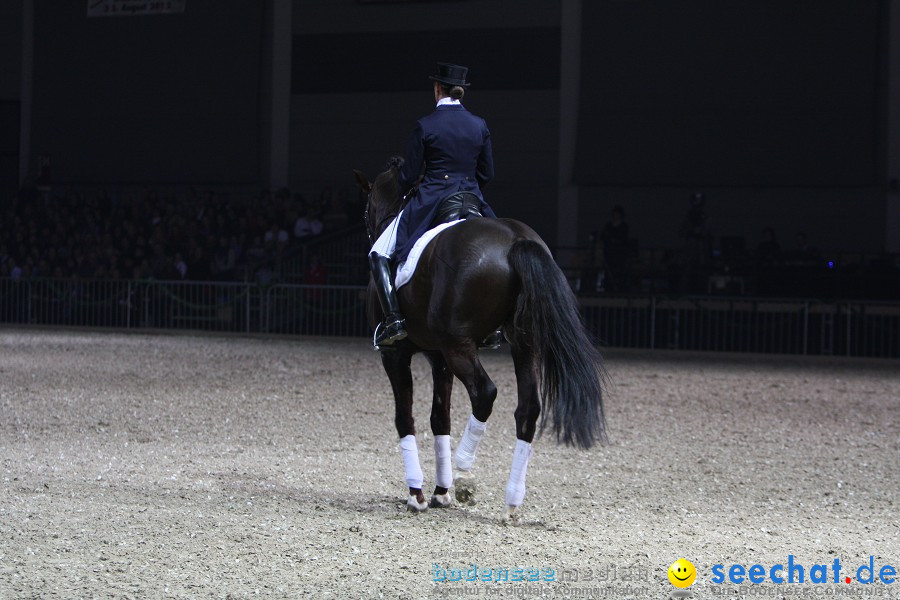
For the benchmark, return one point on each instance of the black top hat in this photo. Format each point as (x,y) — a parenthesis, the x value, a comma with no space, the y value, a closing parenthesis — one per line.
(451,75)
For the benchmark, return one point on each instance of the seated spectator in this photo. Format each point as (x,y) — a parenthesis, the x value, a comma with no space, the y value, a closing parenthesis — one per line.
(13,270)
(316,274)
(335,215)
(256,252)
(308,225)
(161,266)
(199,263)
(223,261)
(614,237)
(768,251)
(275,234)
(180,266)
(802,254)
(698,235)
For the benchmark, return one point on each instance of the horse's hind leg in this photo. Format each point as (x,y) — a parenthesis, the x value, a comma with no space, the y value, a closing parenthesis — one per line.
(464,363)
(396,364)
(527,412)
(440,427)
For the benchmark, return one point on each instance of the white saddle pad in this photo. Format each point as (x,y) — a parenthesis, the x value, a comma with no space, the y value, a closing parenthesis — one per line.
(406,270)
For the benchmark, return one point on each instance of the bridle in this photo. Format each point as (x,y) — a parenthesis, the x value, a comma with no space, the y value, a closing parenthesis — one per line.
(373,231)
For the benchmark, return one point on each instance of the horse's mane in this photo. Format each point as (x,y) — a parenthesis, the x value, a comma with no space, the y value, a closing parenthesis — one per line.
(386,187)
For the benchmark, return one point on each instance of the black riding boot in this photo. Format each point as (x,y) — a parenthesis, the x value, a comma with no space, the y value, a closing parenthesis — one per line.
(393,328)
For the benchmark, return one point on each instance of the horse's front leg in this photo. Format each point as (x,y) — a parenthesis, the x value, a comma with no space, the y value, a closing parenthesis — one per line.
(440,427)
(527,412)
(396,364)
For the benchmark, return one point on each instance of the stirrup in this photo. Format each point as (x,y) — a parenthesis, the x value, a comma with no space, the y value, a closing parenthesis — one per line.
(493,341)
(387,334)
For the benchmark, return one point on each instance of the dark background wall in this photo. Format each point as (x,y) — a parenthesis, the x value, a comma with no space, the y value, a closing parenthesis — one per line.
(10,49)
(156,99)
(735,93)
(775,110)
(10,91)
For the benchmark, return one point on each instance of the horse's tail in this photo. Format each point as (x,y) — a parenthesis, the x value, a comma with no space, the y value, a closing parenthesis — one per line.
(548,321)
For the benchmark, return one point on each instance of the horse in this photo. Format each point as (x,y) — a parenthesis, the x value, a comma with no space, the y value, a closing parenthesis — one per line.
(475,277)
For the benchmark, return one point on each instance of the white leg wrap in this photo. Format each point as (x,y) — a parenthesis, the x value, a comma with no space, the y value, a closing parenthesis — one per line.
(515,487)
(443,469)
(468,445)
(411,461)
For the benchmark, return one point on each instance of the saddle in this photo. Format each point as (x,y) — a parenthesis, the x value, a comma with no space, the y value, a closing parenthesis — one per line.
(459,205)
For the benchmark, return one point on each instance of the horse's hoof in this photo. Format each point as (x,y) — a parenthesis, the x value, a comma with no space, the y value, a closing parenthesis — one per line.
(464,489)
(414,506)
(512,516)
(440,500)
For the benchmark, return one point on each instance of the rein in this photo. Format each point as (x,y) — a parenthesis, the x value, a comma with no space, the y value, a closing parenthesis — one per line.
(373,232)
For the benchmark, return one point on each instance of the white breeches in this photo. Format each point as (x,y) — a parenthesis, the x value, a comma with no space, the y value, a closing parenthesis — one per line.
(387,241)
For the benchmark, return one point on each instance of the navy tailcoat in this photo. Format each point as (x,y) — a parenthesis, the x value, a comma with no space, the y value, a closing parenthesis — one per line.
(452,148)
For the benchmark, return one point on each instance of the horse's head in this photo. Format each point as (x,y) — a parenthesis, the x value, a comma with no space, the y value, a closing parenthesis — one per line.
(383,201)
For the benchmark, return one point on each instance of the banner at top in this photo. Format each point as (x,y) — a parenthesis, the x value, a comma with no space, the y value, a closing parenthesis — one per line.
(133,8)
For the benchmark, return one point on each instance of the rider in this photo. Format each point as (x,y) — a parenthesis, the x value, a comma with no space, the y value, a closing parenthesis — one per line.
(450,151)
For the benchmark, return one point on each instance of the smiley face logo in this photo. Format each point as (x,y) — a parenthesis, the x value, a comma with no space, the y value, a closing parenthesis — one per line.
(682,573)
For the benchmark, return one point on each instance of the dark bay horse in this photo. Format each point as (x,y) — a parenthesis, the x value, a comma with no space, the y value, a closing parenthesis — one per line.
(473,278)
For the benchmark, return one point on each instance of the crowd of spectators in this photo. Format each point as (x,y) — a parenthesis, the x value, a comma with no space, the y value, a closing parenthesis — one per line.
(206,236)
(210,236)
(704,263)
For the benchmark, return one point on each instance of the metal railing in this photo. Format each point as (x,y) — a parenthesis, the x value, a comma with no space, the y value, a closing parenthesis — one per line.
(774,326)
(840,328)
(343,253)
(202,306)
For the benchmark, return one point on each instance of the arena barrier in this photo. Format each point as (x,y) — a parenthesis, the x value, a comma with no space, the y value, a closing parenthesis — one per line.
(851,328)
(200,306)
(773,326)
